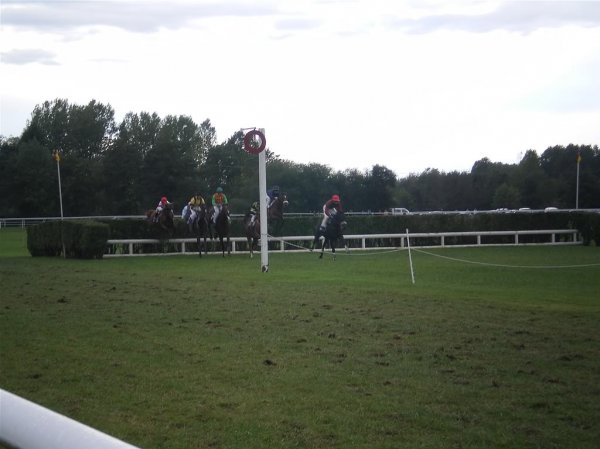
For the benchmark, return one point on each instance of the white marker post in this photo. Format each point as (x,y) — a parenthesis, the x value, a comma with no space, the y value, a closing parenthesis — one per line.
(251,147)
(56,157)
(412,273)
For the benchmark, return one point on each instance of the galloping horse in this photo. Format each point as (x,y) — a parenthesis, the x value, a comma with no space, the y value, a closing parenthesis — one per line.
(165,220)
(333,232)
(275,213)
(222,228)
(252,230)
(199,227)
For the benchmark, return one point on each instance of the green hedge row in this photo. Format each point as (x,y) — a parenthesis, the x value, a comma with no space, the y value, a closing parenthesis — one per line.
(85,239)
(587,223)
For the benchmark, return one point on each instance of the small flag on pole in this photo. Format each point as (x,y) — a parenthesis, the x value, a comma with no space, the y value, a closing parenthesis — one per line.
(578,157)
(56,155)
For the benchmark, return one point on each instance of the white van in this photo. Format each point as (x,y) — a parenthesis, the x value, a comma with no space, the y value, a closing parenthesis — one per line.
(399,211)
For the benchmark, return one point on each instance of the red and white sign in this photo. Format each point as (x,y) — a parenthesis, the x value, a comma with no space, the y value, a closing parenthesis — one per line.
(250,142)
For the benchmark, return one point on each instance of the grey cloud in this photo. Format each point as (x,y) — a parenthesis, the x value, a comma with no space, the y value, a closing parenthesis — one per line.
(516,16)
(28,56)
(143,17)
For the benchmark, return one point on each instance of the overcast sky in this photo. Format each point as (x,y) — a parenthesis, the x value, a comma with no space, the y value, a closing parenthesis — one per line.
(410,84)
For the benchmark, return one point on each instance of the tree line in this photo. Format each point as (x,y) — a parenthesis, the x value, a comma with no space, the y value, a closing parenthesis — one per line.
(110,168)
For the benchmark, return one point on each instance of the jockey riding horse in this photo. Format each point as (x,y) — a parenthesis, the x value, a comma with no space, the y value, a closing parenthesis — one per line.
(198,226)
(333,232)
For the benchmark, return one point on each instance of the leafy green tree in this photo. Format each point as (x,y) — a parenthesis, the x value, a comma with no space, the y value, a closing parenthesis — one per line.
(169,167)
(560,164)
(8,189)
(35,180)
(535,188)
(380,182)
(506,196)
(124,162)
(487,176)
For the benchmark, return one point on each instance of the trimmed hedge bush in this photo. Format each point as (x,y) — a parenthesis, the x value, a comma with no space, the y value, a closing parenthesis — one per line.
(82,239)
(587,223)
(44,239)
(87,239)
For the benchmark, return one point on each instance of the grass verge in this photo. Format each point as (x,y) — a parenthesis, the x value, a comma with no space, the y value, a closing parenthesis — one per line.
(180,352)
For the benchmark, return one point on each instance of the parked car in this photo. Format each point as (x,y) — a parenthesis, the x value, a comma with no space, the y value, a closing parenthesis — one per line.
(550,209)
(399,211)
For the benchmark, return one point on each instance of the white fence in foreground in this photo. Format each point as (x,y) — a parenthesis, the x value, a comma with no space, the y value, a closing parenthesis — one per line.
(135,247)
(26,425)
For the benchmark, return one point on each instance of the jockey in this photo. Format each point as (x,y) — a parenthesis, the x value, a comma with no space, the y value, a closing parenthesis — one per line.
(159,208)
(219,199)
(195,204)
(272,195)
(330,208)
(252,212)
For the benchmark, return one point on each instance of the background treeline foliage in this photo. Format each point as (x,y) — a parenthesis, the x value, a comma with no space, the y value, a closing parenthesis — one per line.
(110,168)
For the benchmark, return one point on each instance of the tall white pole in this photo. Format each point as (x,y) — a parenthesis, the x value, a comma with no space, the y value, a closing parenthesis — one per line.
(59,189)
(577,187)
(262,187)
(56,155)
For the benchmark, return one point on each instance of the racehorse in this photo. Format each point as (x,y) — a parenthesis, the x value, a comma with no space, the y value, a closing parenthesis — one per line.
(165,220)
(252,230)
(334,231)
(275,213)
(222,228)
(199,227)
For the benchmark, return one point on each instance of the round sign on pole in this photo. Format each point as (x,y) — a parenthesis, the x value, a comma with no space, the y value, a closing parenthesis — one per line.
(250,144)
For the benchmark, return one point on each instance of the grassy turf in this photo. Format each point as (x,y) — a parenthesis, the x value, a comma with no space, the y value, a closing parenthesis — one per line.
(178,352)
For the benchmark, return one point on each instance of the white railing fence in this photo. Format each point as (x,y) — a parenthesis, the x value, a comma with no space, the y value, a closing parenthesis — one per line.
(26,425)
(137,247)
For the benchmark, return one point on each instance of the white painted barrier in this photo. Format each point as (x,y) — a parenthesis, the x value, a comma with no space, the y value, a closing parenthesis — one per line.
(133,247)
(26,425)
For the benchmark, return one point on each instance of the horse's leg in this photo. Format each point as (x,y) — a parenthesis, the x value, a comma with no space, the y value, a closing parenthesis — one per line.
(228,246)
(323,248)
(250,246)
(198,243)
(314,242)
(333,243)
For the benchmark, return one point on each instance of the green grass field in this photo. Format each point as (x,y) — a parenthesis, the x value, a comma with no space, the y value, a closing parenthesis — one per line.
(181,352)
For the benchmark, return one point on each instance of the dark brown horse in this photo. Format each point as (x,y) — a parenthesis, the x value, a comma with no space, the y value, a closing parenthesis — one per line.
(252,231)
(198,226)
(275,213)
(222,229)
(165,221)
(334,231)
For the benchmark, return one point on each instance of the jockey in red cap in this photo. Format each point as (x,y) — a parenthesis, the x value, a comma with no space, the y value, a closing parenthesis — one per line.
(331,207)
(161,205)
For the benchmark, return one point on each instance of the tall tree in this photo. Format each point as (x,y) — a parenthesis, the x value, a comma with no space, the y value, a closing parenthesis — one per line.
(380,182)
(9,191)
(124,163)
